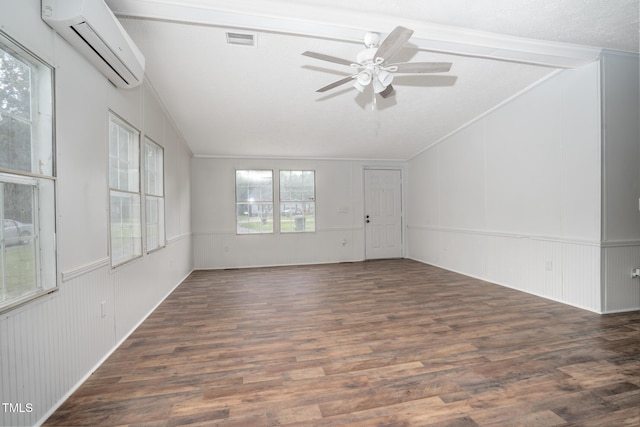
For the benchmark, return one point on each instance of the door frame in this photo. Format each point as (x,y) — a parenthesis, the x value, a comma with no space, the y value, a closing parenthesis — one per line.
(402,170)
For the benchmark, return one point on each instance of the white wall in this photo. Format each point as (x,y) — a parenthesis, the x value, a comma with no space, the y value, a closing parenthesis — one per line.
(339,215)
(621,181)
(47,347)
(514,197)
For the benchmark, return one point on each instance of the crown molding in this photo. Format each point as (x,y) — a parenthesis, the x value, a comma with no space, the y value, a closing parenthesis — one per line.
(306,21)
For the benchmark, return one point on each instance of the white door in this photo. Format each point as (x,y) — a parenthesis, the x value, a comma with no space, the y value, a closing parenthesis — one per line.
(383,213)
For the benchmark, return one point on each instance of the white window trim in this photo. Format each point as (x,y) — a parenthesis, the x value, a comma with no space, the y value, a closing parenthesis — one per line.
(280,201)
(163,242)
(42,101)
(273,202)
(123,123)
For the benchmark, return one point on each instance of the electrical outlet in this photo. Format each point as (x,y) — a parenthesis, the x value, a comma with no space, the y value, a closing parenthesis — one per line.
(548,265)
(103,309)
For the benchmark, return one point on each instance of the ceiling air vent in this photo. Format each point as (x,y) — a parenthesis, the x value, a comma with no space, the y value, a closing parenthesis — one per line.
(242,39)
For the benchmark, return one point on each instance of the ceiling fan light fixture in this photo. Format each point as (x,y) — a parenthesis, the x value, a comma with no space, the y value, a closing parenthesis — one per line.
(364,77)
(378,87)
(374,66)
(385,77)
(382,80)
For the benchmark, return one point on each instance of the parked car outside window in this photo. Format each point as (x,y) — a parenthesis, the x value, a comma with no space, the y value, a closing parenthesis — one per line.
(16,232)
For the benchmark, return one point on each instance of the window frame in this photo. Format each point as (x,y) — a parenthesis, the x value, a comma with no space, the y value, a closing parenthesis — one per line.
(41,177)
(282,201)
(275,202)
(271,202)
(138,249)
(162,235)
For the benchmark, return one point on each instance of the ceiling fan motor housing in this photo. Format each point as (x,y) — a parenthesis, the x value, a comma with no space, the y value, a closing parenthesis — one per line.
(371,39)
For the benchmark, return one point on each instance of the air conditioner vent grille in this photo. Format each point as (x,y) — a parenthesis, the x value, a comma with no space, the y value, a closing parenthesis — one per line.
(242,39)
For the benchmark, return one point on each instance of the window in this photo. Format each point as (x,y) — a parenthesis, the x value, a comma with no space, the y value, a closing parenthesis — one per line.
(124,193)
(254,201)
(297,201)
(154,194)
(27,235)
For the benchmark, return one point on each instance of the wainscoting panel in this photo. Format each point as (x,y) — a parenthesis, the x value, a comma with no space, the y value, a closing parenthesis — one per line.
(62,336)
(581,276)
(561,270)
(217,250)
(50,346)
(621,291)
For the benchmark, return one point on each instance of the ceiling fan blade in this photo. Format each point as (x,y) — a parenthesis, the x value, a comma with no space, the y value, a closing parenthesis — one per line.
(389,91)
(422,67)
(329,58)
(393,43)
(336,84)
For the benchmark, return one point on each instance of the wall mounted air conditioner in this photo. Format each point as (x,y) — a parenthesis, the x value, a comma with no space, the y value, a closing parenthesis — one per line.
(91,27)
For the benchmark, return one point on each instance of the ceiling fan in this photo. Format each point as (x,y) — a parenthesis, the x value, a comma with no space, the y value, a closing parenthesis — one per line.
(373,63)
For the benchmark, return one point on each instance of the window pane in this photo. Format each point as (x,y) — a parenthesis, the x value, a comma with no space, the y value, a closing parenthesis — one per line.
(15,144)
(20,271)
(155,223)
(25,112)
(254,186)
(254,201)
(154,169)
(297,201)
(154,189)
(124,159)
(15,91)
(126,238)
(18,251)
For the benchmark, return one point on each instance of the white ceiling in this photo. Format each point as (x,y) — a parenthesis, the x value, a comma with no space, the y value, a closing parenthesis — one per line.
(261,102)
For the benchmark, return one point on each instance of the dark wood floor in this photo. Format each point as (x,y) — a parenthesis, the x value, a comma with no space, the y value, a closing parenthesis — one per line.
(379,343)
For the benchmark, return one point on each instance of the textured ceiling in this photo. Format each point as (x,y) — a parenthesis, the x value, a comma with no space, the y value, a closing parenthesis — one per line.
(239,101)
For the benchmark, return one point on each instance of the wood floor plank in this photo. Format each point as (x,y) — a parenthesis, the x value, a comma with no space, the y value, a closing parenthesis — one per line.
(383,343)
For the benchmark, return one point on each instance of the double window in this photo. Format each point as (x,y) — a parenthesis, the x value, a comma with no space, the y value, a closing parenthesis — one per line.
(255,201)
(126,195)
(27,235)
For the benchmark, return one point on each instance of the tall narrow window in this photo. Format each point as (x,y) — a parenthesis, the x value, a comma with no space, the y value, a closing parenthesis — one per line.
(124,194)
(27,202)
(297,201)
(254,201)
(154,194)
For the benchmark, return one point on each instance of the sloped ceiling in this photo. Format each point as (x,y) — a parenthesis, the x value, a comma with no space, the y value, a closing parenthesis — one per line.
(261,102)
